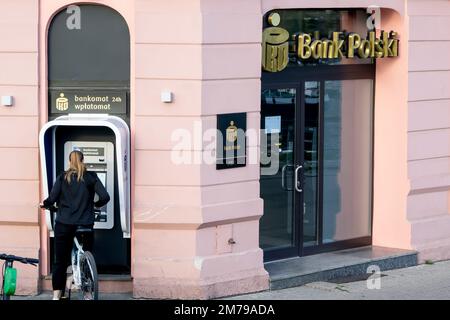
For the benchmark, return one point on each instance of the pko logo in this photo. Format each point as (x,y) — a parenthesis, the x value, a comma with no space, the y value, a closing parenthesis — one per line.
(275,45)
(62,103)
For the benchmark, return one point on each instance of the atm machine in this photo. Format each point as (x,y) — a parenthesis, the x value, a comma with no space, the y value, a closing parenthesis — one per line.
(105,143)
(98,157)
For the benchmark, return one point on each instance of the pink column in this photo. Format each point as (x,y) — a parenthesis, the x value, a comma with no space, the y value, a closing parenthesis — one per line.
(19,184)
(208,55)
(391,185)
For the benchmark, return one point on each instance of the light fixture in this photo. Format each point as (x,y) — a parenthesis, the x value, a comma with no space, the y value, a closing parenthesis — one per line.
(7,101)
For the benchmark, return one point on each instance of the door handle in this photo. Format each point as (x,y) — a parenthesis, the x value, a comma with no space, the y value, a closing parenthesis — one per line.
(296,181)
(283,177)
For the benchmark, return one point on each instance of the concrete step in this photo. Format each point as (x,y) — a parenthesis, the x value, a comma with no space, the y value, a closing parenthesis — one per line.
(336,265)
(108,283)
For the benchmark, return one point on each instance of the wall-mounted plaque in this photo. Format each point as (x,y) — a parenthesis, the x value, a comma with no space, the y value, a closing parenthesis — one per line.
(231,140)
(88,101)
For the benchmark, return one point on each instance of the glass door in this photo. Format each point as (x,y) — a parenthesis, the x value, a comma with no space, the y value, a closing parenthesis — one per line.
(279,236)
(290,168)
(315,166)
(311,105)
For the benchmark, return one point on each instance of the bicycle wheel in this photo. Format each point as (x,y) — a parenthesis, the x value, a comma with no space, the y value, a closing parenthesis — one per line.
(89,277)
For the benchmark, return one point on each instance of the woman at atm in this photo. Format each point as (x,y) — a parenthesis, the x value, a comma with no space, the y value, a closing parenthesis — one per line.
(73,192)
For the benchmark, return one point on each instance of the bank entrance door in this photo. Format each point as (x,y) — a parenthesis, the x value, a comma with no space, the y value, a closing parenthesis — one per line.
(316,181)
(317,139)
(290,122)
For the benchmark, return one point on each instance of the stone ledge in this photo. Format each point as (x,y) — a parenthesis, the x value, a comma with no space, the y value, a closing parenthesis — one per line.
(339,264)
(157,288)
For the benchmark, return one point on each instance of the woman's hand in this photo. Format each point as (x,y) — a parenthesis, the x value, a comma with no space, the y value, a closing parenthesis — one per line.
(48,207)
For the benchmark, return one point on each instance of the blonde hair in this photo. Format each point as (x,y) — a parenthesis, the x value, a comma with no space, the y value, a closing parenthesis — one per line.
(76,165)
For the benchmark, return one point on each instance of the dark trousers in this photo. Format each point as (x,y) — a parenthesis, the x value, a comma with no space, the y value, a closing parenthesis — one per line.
(64,234)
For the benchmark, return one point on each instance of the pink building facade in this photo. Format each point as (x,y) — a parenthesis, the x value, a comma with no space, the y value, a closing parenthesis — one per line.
(195,230)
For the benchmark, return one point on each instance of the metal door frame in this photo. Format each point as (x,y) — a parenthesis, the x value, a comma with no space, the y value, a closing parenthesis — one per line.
(295,77)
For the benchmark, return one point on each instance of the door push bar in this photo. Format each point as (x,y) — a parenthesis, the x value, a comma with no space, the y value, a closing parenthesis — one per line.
(297,181)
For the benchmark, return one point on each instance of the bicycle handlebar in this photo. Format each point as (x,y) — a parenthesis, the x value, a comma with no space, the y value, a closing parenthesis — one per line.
(50,208)
(9,257)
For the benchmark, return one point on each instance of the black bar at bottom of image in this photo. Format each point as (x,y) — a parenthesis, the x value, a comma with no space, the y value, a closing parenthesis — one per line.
(217,309)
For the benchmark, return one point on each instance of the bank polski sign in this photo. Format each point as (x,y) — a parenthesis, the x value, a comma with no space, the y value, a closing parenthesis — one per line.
(278,44)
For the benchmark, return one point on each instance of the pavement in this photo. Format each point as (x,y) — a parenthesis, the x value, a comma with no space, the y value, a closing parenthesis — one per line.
(422,282)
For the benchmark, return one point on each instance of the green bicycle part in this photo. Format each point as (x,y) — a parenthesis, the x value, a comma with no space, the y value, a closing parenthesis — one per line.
(10,281)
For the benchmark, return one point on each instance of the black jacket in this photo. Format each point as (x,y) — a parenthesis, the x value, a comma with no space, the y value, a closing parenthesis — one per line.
(76,200)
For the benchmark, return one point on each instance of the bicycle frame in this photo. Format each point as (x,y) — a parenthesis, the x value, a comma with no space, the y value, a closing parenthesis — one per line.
(77,251)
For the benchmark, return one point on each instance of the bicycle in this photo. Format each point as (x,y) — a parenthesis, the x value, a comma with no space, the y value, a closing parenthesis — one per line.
(9,273)
(84,268)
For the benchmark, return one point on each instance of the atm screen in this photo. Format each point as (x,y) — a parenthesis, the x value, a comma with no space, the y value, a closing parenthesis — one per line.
(102,177)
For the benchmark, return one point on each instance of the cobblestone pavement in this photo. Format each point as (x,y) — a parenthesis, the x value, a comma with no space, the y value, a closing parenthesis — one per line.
(427,281)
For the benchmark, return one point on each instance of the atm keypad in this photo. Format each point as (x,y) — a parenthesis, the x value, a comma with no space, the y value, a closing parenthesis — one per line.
(100,216)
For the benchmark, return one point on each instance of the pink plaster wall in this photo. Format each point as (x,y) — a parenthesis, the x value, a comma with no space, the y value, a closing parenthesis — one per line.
(429,128)
(19,184)
(211,70)
(391,186)
(354,178)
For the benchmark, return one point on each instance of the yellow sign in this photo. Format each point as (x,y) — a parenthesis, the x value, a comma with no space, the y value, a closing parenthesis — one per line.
(275,53)
(277,45)
(62,103)
(88,101)
(352,46)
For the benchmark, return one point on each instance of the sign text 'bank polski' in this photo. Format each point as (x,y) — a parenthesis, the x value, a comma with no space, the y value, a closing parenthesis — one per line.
(278,44)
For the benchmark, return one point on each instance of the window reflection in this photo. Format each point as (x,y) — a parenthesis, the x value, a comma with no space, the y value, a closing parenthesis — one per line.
(347,160)
(277,227)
